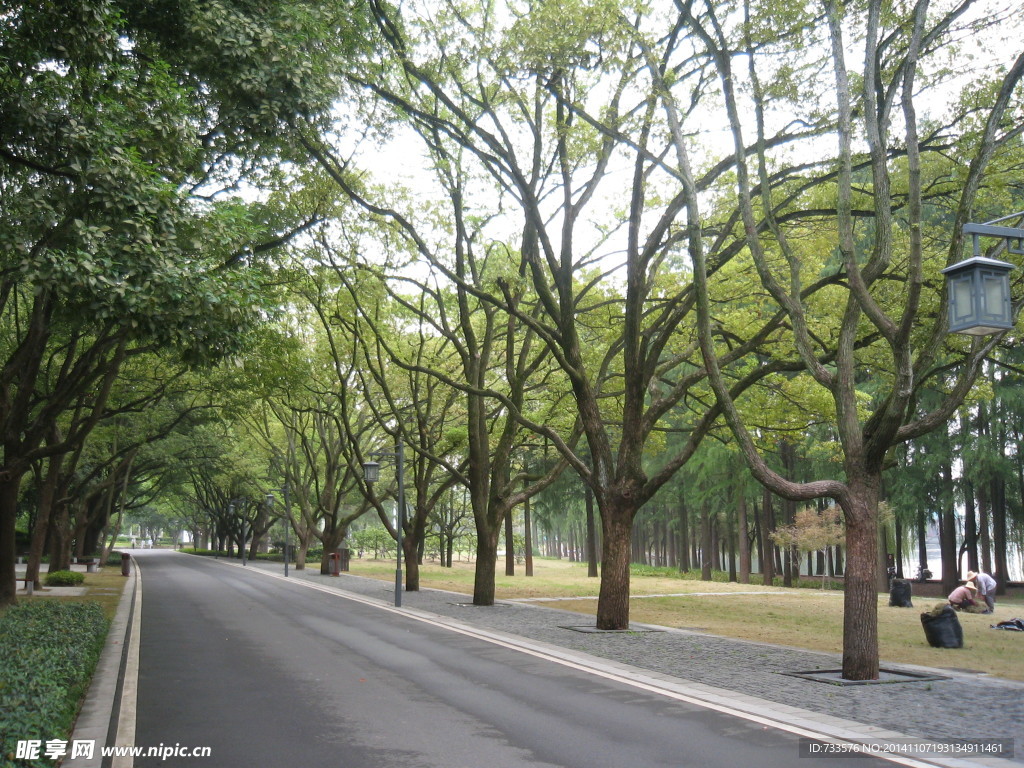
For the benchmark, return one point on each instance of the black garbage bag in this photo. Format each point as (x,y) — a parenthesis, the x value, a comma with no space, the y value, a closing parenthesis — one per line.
(899,594)
(1014,625)
(942,628)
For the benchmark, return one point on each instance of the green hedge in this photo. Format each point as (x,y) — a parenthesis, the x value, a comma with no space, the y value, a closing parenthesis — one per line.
(48,651)
(64,579)
(276,557)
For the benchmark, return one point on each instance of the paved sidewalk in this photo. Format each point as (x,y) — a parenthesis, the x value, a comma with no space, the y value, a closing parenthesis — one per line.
(961,704)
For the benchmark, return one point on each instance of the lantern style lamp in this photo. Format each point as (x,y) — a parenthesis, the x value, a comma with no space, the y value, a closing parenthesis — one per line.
(979,296)
(371,471)
(979,288)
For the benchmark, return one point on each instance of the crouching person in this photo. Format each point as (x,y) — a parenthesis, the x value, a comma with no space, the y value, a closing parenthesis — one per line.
(962,597)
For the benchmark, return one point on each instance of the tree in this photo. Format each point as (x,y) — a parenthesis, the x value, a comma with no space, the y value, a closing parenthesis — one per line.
(306,412)
(429,326)
(913,199)
(79,490)
(812,530)
(114,240)
(450,524)
(553,105)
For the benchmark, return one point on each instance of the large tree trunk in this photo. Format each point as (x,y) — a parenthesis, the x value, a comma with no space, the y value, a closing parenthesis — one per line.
(860,598)
(410,551)
(591,536)
(60,539)
(44,507)
(331,540)
(302,550)
(613,601)
(486,559)
(527,527)
(91,541)
(486,516)
(9,487)
(255,543)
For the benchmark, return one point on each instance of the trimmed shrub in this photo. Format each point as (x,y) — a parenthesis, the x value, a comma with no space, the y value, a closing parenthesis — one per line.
(48,651)
(64,579)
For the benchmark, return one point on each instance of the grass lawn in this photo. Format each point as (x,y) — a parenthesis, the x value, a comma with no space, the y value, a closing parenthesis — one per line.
(104,587)
(802,618)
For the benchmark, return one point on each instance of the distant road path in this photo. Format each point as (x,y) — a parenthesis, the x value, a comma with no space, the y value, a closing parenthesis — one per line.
(267,673)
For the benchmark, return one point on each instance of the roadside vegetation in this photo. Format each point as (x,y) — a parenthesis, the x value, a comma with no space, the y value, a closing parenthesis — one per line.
(49,646)
(640,281)
(48,650)
(809,618)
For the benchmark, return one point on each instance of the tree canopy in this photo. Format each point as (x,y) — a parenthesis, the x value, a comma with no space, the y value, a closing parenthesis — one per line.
(631,242)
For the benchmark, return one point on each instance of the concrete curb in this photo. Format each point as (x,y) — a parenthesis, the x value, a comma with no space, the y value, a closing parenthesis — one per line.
(111,694)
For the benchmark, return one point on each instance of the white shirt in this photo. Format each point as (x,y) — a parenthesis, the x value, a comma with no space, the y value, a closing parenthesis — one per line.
(986,584)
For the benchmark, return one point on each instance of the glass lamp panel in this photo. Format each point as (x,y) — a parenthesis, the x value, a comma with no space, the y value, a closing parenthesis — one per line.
(961,297)
(995,296)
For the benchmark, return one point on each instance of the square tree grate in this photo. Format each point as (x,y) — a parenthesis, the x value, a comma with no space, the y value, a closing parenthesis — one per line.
(885,676)
(592,630)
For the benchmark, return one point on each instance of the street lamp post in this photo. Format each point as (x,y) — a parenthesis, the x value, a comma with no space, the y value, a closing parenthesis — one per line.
(371,473)
(979,287)
(287,520)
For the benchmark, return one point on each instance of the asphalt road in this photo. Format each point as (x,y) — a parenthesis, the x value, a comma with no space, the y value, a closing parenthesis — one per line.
(268,673)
